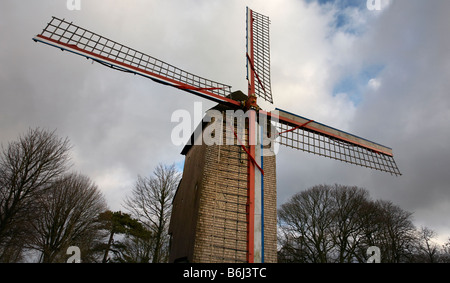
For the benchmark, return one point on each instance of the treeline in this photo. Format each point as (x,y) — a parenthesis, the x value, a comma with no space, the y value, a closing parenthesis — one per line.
(45,208)
(338,224)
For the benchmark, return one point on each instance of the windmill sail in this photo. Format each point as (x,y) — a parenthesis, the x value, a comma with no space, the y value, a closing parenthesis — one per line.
(69,37)
(258,54)
(238,215)
(303,134)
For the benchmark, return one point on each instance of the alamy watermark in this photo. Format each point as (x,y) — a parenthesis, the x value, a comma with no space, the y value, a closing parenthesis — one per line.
(223,128)
(374,5)
(75,254)
(73,5)
(374,254)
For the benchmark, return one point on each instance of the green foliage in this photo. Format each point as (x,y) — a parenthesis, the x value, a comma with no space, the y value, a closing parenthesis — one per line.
(131,233)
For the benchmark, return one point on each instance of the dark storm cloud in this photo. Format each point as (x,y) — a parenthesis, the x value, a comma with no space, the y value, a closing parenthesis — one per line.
(120,124)
(411,109)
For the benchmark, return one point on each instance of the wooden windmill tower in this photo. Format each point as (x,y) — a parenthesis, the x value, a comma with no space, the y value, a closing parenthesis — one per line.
(225,208)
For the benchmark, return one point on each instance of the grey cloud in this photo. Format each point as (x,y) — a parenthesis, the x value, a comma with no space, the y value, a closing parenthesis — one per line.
(120,123)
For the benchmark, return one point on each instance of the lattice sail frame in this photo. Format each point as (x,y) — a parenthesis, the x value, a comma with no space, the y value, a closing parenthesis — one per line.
(293,131)
(67,36)
(303,134)
(258,41)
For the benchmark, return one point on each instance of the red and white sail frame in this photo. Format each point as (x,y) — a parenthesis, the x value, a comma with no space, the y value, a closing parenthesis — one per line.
(69,37)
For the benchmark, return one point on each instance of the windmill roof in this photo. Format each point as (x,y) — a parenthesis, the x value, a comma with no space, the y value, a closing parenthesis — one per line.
(237,95)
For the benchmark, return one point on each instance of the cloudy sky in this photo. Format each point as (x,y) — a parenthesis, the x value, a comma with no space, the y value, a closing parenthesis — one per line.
(380,74)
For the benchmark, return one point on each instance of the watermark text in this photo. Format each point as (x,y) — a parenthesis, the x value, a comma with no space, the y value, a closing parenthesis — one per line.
(73,5)
(374,5)
(223,128)
(375,255)
(75,254)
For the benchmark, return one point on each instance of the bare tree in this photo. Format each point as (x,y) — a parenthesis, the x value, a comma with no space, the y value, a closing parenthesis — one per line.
(350,206)
(445,253)
(27,167)
(307,219)
(395,232)
(151,202)
(427,250)
(338,223)
(68,214)
(137,247)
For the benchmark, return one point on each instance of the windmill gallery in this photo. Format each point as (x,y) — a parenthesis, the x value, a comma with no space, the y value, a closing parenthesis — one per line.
(225,207)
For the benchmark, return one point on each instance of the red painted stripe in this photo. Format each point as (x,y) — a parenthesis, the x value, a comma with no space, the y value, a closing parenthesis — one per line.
(251,187)
(297,127)
(246,151)
(255,73)
(251,57)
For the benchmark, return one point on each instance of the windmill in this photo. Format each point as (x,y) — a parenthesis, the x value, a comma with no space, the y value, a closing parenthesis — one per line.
(292,130)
